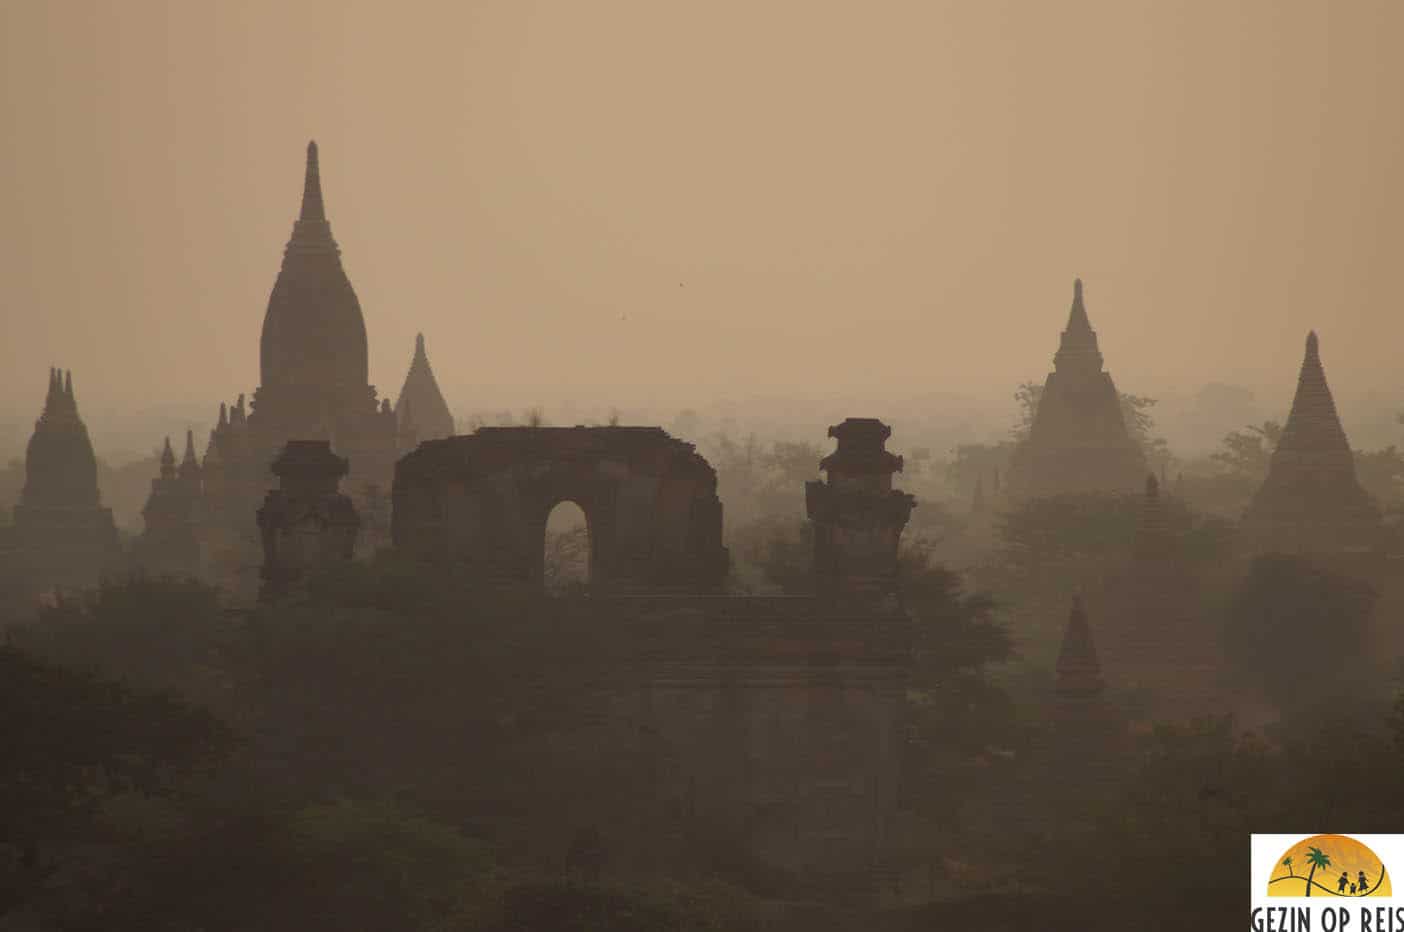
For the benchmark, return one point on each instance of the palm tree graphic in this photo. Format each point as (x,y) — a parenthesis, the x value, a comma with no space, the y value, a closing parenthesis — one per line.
(1287,863)
(1316,858)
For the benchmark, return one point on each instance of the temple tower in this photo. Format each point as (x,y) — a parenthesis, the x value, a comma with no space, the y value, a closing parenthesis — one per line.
(313,359)
(170,543)
(1311,501)
(306,522)
(65,536)
(314,384)
(858,517)
(1157,636)
(432,418)
(1078,441)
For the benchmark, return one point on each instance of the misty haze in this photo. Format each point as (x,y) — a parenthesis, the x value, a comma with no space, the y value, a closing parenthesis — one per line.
(621,465)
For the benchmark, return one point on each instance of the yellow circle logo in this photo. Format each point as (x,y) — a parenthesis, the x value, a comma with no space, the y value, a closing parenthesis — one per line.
(1328,865)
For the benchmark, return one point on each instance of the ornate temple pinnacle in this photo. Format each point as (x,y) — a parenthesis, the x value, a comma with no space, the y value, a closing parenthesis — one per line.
(312,205)
(1313,348)
(1078,324)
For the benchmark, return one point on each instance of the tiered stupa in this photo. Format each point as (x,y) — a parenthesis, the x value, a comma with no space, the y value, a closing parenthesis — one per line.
(64,536)
(1078,441)
(306,523)
(1311,501)
(858,516)
(431,416)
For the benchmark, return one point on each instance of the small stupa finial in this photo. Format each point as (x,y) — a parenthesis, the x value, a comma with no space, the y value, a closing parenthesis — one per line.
(312,206)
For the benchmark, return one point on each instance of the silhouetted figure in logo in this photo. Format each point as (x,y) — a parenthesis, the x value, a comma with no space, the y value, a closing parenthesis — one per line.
(1341,884)
(1352,889)
(1364,884)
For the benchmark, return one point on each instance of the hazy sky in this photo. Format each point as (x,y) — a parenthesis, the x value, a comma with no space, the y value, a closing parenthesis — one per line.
(610,200)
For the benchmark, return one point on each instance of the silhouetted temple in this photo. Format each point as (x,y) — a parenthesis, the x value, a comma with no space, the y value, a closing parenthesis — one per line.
(170,545)
(1074,758)
(306,523)
(1155,634)
(431,417)
(64,537)
(314,385)
(858,517)
(1311,501)
(1078,441)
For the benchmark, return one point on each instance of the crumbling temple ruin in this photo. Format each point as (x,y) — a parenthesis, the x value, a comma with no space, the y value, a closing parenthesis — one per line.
(480,503)
(777,721)
(858,517)
(62,537)
(1311,501)
(306,523)
(1078,441)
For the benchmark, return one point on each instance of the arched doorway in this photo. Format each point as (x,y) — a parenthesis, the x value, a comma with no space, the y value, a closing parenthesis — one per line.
(566,552)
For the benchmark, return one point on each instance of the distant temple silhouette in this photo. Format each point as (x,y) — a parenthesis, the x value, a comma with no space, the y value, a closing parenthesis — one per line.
(1311,501)
(1078,441)
(62,535)
(420,403)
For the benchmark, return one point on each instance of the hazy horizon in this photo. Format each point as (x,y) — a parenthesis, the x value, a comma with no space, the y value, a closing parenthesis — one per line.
(678,203)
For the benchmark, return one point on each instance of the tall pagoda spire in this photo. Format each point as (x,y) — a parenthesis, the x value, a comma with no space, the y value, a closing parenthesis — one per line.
(1078,441)
(1311,499)
(1079,672)
(168,463)
(312,206)
(1077,347)
(314,335)
(190,463)
(1313,423)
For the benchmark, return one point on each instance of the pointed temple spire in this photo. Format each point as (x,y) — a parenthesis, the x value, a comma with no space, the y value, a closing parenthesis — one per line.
(313,331)
(1078,440)
(312,206)
(1077,347)
(168,463)
(189,464)
(1079,673)
(60,468)
(1313,419)
(51,398)
(432,419)
(1311,500)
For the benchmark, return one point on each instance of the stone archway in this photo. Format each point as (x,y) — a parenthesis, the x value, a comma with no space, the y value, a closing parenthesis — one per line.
(479,504)
(567,555)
